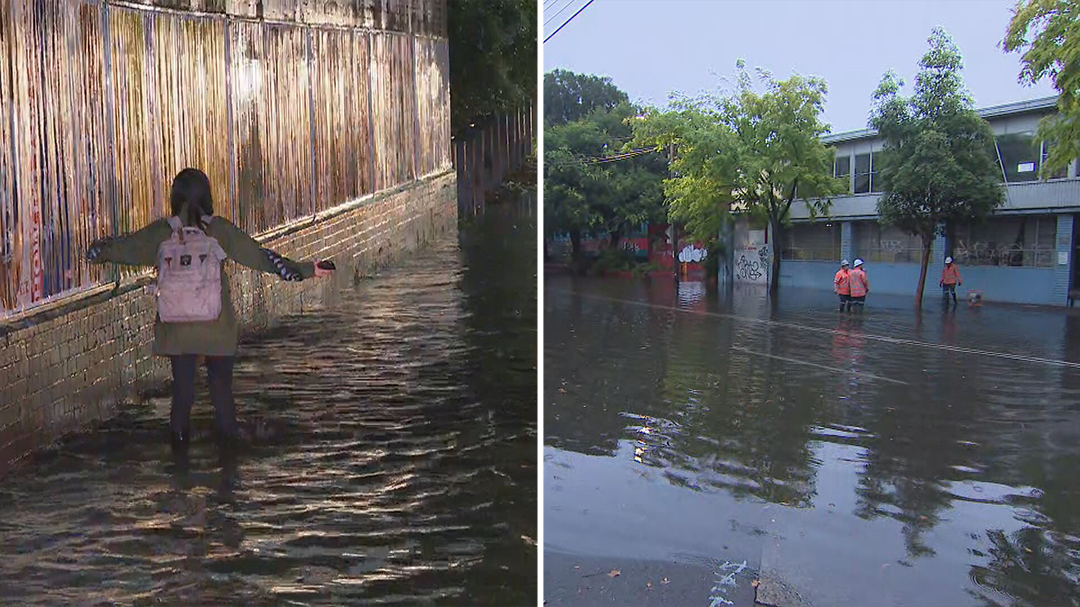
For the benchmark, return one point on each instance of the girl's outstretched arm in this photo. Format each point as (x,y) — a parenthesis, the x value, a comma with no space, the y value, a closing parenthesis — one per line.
(246,251)
(140,248)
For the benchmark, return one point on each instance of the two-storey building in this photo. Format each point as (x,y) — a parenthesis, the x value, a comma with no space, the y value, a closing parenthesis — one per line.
(1024,253)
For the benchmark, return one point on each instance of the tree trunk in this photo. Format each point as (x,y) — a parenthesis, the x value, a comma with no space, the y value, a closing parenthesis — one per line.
(616,236)
(575,250)
(927,241)
(774,244)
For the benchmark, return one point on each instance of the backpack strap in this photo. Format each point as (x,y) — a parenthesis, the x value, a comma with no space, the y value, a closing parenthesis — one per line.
(177,225)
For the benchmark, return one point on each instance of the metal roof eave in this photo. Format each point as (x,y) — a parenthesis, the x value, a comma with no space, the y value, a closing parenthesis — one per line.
(993,111)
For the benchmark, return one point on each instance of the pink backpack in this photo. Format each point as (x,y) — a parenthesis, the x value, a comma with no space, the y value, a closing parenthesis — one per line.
(189,275)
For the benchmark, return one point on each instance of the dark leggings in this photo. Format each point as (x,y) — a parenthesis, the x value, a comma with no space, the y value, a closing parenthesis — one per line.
(219,371)
(946,290)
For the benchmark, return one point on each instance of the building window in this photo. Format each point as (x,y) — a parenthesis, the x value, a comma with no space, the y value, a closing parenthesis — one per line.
(862,173)
(815,241)
(842,170)
(1019,154)
(877,244)
(877,183)
(1061,173)
(1024,241)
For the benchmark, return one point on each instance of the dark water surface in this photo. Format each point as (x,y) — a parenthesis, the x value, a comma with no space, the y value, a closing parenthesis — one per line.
(888,459)
(397,460)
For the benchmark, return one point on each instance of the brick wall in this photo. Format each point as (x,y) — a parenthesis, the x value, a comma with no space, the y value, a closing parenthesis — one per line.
(62,373)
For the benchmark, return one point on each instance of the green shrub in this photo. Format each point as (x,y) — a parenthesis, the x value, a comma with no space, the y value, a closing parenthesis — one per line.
(614,260)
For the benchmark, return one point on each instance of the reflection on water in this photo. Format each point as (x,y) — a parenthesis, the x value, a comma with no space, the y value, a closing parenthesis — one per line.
(932,458)
(396,460)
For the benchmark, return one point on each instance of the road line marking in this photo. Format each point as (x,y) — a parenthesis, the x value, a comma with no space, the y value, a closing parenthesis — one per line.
(870,336)
(826,367)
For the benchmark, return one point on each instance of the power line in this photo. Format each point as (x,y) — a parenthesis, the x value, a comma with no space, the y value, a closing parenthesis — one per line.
(568,21)
(564,7)
(605,159)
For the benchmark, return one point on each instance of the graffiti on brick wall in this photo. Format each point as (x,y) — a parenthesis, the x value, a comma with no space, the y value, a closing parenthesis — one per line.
(692,254)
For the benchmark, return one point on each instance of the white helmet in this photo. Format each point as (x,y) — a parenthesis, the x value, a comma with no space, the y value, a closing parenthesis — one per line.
(948,260)
(844,263)
(858,262)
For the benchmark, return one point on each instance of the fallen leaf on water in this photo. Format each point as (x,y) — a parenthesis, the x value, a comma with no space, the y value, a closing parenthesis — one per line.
(755,583)
(528,540)
(665,581)
(561,391)
(614,573)
(577,566)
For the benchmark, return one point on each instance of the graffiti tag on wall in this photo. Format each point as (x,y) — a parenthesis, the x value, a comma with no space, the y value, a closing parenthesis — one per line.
(993,254)
(692,254)
(750,265)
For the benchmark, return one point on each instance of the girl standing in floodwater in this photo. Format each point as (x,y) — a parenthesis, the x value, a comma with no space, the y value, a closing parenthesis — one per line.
(183,342)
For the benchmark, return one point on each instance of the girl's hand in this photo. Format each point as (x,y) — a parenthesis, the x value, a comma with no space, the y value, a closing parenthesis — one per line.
(324,268)
(93,254)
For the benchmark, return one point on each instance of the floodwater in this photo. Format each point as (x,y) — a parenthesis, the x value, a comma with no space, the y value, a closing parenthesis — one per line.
(698,443)
(396,459)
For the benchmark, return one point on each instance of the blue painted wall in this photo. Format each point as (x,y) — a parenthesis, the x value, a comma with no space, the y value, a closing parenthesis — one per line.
(1011,285)
(1014,285)
(808,274)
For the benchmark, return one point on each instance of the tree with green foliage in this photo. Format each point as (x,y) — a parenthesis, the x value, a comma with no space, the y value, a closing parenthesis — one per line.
(592,185)
(1048,33)
(492,59)
(585,196)
(570,186)
(698,198)
(748,152)
(569,96)
(938,161)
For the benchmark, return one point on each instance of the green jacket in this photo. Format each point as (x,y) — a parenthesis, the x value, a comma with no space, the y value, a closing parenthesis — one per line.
(218,337)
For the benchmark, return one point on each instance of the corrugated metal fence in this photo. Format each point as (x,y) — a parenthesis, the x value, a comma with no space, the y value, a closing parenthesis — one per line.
(101,104)
(490,151)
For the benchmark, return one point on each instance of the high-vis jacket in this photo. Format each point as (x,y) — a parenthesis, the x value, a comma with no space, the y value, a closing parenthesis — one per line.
(950,275)
(860,284)
(842,282)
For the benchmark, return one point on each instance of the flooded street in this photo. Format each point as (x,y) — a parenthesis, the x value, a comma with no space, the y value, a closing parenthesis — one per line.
(697,443)
(395,460)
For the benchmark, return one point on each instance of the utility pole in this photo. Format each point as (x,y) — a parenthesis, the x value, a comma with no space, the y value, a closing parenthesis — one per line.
(674,226)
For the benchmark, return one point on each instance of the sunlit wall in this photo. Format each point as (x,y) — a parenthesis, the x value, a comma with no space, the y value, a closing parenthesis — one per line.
(290,108)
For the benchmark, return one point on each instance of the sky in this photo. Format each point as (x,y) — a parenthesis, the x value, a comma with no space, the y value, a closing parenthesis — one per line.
(651,48)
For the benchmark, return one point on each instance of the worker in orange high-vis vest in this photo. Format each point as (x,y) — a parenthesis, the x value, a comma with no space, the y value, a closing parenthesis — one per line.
(859,285)
(842,285)
(950,278)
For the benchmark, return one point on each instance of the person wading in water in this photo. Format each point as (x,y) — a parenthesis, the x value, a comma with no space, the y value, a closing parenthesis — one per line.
(950,278)
(195,312)
(842,285)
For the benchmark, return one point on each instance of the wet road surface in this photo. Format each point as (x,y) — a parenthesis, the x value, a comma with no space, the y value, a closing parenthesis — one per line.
(888,459)
(396,460)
